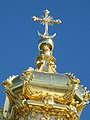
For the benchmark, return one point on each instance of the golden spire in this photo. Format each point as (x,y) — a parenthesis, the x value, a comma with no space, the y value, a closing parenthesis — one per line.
(45,62)
(46,20)
(39,94)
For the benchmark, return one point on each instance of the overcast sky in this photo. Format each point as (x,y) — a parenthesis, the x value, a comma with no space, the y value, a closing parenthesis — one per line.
(19,39)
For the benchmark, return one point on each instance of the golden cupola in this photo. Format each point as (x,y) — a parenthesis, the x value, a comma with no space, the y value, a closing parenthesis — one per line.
(43,93)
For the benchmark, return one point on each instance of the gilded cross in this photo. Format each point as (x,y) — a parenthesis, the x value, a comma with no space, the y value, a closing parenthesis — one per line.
(46,20)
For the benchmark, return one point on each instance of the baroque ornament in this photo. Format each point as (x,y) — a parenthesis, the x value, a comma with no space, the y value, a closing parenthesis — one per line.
(43,93)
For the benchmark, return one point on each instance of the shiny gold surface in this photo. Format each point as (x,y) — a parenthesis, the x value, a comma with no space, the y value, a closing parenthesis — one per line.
(42,93)
(36,96)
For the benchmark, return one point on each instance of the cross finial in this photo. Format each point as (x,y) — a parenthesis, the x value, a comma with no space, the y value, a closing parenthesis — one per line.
(46,20)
